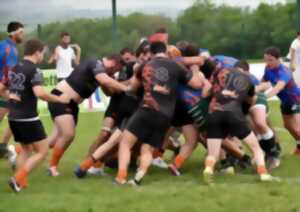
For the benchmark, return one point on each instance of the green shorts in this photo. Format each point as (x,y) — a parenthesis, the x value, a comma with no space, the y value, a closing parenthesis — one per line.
(261,101)
(199,113)
(289,110)
(3,103)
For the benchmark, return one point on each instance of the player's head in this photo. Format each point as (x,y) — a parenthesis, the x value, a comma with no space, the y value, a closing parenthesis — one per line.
(128,55)
(190,50)
(181,45)
(160,35)
(243,65)
(272,56)
(298,32)
(35,49)
(173,51)
(65,38)
(158,48)
(143,51)
(16,31)
(208,68)
(113,63)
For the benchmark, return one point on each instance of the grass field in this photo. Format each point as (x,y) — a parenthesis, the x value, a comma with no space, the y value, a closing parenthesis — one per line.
(160,191)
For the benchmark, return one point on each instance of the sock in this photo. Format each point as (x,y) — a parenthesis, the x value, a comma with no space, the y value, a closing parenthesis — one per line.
(122,175)
(210,163)
(56,156)
(86,164)
(18,148)
(158,153)
(298,144)
(268,144)
(262,170)
(98,164)
(179,160)
(21,177)
(139,176)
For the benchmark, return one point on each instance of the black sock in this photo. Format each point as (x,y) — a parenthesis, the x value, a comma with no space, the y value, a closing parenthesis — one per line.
(270,147)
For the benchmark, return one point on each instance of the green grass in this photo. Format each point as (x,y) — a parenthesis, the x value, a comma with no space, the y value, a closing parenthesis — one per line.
(160,191)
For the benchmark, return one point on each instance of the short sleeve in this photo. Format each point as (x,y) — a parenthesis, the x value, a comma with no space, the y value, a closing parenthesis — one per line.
(37,78)
(97,67)
(266,76)
(284,76)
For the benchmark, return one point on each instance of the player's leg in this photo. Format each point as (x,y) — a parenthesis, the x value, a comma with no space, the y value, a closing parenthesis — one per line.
(127,142)
(40,149)
(265,134)
(100,152)
(103,136)
(3,145)
(258,155)
(145,162)
(292,124)
(213,153)
(190,134)
(66,130)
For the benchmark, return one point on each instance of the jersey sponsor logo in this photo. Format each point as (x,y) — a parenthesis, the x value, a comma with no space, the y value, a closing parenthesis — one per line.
(161,74)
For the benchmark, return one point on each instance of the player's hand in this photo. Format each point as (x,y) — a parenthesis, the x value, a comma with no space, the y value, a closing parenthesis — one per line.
(64,99)
(293,67)
(76,46)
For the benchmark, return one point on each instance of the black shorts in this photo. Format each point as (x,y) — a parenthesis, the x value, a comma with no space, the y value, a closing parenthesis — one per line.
(290,110)
(27,132)
(149,126)
(58,109)
(128,105)
(181,116)
(221,124)
(113,107)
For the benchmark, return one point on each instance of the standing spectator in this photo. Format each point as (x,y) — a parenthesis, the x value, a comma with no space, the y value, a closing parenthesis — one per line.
(65,56)
(295,58)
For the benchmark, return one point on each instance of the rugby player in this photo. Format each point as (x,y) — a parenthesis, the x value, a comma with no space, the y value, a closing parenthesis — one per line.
(8,59)
(120,108)
(259,122)
(25,88)
(280,78)
(230,89)
(149,124)
(81,84)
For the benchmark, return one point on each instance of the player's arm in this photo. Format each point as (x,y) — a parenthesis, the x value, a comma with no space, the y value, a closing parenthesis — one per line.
(293,59)
(251,95)
(54,56)
(196,60)
(40,93)
(276,89)
(77,56)
(109,83)
(263,86)
(197,79)
(4,93)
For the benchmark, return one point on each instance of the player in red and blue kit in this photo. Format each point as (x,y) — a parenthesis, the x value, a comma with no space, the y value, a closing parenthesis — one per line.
(280,78)
(258,112)
(8,60)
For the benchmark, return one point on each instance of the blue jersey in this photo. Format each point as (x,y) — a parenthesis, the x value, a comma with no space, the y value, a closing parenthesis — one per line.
(224,61)
(8,58)
(188,96)
(254,80)
(290,95)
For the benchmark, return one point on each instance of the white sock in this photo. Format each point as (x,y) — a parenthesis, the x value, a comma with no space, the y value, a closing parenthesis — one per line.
(268,135)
